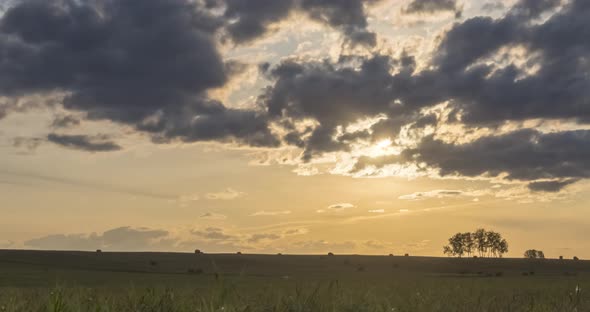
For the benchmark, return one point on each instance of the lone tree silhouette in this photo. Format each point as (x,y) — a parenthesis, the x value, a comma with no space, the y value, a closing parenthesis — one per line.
(534,254)
(484,243)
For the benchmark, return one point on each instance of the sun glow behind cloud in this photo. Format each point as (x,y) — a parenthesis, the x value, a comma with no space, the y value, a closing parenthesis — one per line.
(299,112)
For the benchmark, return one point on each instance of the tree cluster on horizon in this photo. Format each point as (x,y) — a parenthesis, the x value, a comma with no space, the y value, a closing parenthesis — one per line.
(481,242)
(534,254)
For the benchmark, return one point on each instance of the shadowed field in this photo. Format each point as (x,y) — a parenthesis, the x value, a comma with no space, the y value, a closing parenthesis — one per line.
(83,281)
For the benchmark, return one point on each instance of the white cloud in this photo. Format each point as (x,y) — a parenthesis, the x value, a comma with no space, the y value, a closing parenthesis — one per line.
(337,207)
(443,194)
(213,216)
(228,194)
(377,211)
(270,213)
(323,246)
(295,231)
(6,244)
(185,200)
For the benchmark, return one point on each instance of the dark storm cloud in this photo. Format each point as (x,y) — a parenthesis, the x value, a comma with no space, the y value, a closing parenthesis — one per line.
(86,143)
(143,63)
(433,6)
(254,17)
(250,19)
(534,8)
(347,15)
(550,186)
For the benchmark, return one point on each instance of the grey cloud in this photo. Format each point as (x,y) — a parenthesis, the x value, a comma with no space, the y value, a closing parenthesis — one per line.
(65,121)
(347,15)
(117,64)
(127,238)
(551,186)
(493,6)
(441,194)
(119,239)
(98,55)
(263,237)
(213,216)
(433,6)
(556,46)
(212,233)
(338,94)
(99,143)
(146,239)
(249,20)
(534,8)
(253,18)
(523,155)
(66,242)
(478,95)
(30,144)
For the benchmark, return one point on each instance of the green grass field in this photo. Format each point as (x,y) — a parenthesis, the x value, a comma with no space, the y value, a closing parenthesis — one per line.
(79,281)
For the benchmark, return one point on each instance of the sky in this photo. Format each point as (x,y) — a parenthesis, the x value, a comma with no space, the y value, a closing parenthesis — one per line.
(294,126)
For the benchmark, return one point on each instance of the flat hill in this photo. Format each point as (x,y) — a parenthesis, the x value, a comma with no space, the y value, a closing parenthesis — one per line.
(45,268)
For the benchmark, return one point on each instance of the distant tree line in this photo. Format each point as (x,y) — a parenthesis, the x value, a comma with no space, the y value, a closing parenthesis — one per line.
(481,243)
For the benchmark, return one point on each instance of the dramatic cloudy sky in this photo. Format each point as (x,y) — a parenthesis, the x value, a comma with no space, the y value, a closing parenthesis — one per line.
(301,126)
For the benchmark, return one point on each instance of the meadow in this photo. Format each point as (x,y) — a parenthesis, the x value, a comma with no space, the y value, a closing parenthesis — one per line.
(90,281)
